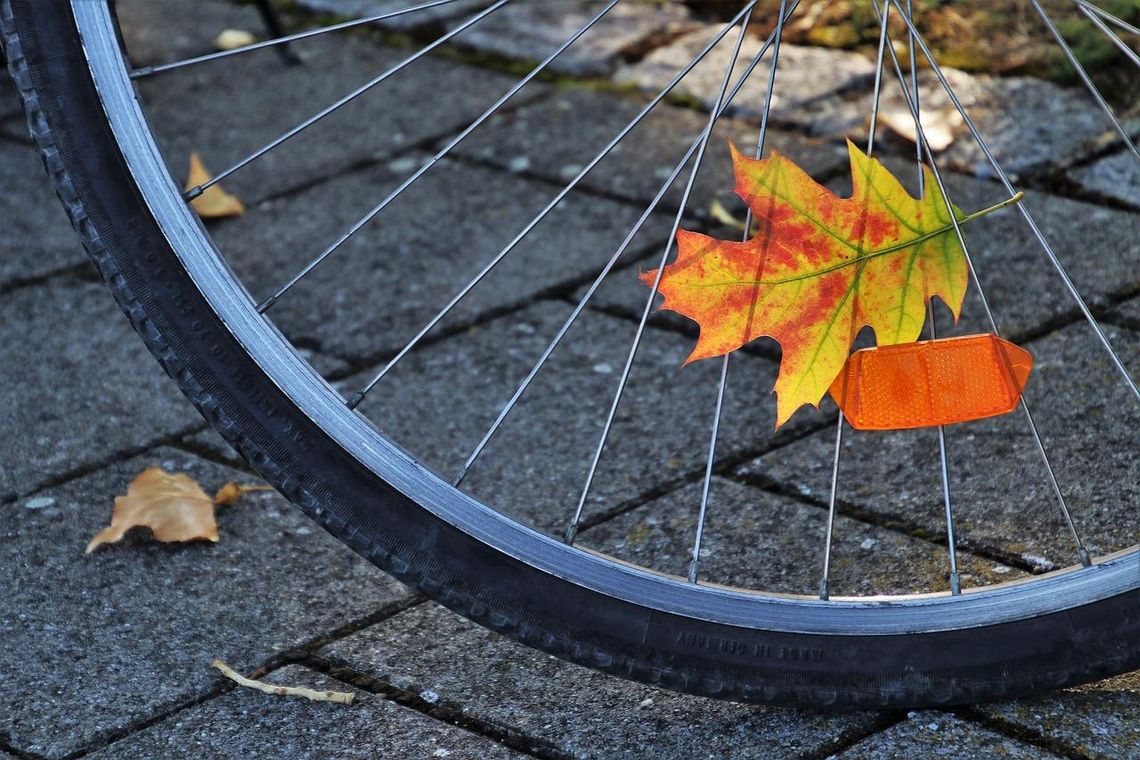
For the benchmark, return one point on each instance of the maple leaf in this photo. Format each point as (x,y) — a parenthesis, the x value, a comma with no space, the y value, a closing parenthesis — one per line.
(174,507)
(819,269)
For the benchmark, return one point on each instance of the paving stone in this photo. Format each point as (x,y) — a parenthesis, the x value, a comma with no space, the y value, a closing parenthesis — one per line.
(381,287)
(585,714)
(536,465)
(246,723)
(80,386)
(938,734)
(1127,314)
(556,137)
(806,74)
(1002,500)
(161,31)
(1028,123)
(428,17)
(1098,720)
(534,30)
(36,237)
(1116,176)
(226,110)
(759,540)
(94,643)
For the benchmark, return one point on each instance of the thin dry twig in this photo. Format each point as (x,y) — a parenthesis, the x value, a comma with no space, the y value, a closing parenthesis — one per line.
(340,697)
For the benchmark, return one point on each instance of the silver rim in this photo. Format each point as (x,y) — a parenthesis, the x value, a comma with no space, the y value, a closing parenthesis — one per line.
(990,605)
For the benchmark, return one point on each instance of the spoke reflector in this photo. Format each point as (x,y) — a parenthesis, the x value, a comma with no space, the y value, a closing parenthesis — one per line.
(931,382)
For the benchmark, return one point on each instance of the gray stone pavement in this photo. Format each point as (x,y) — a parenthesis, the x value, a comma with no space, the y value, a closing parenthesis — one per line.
(108,654)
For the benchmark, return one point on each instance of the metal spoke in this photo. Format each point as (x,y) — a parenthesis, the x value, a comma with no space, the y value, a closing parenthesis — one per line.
(584,300)
(694,563)
(1112,36)
(1082,553)
(364,220)
(1114,20)
(1023,210)
(931,318)
(1085,77)
(145,71)
(194,192)
(824,581)
(572,528)
(494,262)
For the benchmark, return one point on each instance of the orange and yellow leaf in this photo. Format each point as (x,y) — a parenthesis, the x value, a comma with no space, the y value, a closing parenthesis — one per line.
(819,269)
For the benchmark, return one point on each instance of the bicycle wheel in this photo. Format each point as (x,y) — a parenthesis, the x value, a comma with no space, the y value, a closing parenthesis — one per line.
(541,587)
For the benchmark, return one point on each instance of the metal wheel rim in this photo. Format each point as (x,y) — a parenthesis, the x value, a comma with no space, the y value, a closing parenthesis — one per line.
(1017,600)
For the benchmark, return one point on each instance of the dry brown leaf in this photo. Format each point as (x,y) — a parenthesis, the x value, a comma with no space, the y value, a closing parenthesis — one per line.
(173,506)
(229,494)
(940,126)
(214,202)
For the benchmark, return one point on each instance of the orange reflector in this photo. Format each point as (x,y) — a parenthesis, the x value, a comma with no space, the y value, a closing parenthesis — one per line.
(933,382)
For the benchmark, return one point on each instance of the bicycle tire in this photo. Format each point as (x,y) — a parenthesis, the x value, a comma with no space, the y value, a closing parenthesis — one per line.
(1077,627)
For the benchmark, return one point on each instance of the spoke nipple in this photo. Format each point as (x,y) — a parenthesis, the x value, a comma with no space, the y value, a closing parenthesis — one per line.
(459,476)
(267,304)
(571,534)
(192,193)
(356,399)
(142,72)
(955,584)
(693,563)
(823,590)
(1086,561)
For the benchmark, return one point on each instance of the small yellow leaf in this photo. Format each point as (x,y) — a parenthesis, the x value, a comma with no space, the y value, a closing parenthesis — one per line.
(723,216)
(232,39)
(214,202)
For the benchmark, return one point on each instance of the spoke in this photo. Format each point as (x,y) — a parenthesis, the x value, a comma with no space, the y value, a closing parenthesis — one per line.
(1082,553)
(1085,77)
(1114,20)
(605,151)
(145,71)
(585,299)
(694,563)
(825,581)
(1111,35)
(572,528)
(194,192)
(1022,209)
(931,318)
(364,220)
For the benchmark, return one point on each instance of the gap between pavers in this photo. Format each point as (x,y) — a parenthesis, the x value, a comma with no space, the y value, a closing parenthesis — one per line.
(81,385)
(95,644)
(536,465)
(386,282)
(936,734)
(227,110)
(755,539)
(583,712)
(1002,500)
(1099,719)
(558,136)
(36,237)
(245,723)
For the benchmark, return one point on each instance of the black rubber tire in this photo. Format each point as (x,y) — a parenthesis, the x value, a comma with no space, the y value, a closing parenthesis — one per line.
(470,576)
